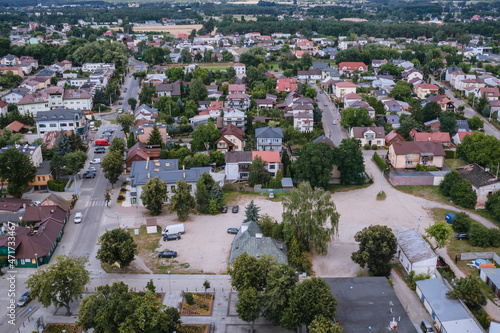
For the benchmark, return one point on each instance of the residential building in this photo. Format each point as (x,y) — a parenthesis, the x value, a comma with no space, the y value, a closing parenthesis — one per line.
(145,112)
(142,152)
(251,240)
(414,253)
(459,137)
(238,163)
(169,90)
(437,136)
(491,93)
(491,276)
(231,139)
(349,68)
(14,96)
(236,89)
(240,69)
(443,101)
(77,99)
(238,101)
(393,137)
(17,70)
(4,106)
(91,67)
(142,131)
(309,75)
(407,154)
(236,118)
(393,120)
(43,175)
(422,90)
(450,314)
(34,103)
(167,171)
(483,182)
(10,60)
(376,64)
(411,74)
(372,135)
(269,138)
(60,119)
(303,121)
(286,85)
(342,88)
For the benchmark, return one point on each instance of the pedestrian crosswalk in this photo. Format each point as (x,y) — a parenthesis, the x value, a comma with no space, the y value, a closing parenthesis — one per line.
(96,203)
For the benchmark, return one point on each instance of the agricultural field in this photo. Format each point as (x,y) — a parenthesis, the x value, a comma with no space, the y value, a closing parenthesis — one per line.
(171,29)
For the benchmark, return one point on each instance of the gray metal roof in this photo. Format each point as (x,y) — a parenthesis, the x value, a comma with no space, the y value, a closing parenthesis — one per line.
(493,274)
(268,132)
(414,246)
(286,182)
(58,114)
(166,170)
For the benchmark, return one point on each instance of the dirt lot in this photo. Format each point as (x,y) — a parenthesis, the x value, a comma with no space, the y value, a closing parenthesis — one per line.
(171,29)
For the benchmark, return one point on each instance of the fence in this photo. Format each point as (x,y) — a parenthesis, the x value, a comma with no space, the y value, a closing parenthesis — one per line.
(236,188)
(480,255)
(258,188)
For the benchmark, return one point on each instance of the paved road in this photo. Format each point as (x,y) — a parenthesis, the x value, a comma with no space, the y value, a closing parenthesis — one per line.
(469,112)
(330,113)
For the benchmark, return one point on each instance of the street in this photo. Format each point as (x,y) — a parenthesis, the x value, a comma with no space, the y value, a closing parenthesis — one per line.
(330,113)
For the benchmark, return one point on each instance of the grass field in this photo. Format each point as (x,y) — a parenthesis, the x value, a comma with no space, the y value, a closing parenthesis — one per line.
(171,29)
(453,163)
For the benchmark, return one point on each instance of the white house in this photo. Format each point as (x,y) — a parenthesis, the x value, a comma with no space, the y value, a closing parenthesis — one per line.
(34,103)
(236,118)
(238,163)
(240,69)
(414,253)
(269,138)
(14,96)
(90,67)
(491,276)
(59,119)
(77,99)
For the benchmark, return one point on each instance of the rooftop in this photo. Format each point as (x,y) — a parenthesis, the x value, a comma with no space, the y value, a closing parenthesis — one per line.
(414,246)
(477,176)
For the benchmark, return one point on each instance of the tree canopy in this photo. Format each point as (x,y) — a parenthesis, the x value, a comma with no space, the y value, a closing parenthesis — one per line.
(481,149)
(182,202)
(117,245)
(350,162)
(355,117)
(18,170)
(441,232)
(153,194)
(315,164)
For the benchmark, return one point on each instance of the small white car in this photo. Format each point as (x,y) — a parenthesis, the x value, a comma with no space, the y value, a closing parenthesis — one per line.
(271,195)
(95,161)
(334,122)
(78,217)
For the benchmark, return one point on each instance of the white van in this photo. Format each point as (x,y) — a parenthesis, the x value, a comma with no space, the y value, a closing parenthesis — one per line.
(173,229)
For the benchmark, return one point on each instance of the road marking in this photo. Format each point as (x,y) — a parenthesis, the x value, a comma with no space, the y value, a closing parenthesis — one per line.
(97,203)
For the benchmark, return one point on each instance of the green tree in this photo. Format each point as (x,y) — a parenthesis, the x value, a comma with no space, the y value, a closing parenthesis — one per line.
(60,283)
(217,157)
(126,120)
(481,149)
(475,123)
(258,173)
(216,193)
(321,324)
(401,91)
(309,299)
(249,305)
(406,124)
(251,212)
(479,236)
(315,164)
(63,145)
(112,165)
(431,111)
(441,232)
(153,194)
(76,142)
(349,160)
(132,102)
(73,163)
(463,195)
(462,222)
(197,90)
(182,202)
(468,289)
(311,216)
(482,103)
(448,122)
(448,181)
(377,246)
(18,170)
(204,135)
(9,139)
(131,140)
(155,136)
(249,272)
(204,186)
(355,117)
(493,204)
(117,245)
(117,145)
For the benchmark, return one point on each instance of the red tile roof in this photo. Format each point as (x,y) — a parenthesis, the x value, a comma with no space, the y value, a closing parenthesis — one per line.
(267,156)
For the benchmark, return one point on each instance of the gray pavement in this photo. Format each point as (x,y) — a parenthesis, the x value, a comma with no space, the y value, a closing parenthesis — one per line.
(330,113)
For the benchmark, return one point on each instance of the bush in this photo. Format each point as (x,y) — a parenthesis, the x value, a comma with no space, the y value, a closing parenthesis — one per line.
(366,147)
(57,185)
(462,222)
(493,204)
(463,195)
(494,237)
(380,163)
(120,198)
(189,298)
(479,236)
(449,180)
(451,153)
(374,147)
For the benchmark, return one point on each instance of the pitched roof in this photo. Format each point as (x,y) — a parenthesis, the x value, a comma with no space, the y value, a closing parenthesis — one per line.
(434,136)
(231,129)
(42,212)
(418,147)
(358,132)
(268,132)
(16,126)
(352,65)
(324,139)
(345,84)
(76,94)
(477,176)
(238,156)
(393,135)
(414,246)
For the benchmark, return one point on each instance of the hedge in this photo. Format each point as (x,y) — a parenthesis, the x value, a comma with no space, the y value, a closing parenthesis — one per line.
(57,185)
(451,153)
(380,163)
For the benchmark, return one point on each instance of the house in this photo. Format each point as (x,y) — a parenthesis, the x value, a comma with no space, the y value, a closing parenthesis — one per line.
(142,131)
(10,60)
(43,175)
(34,152)
(393,119)
(33,103)
(463,126)
(231,139)
(407,154)
(18,127)
(4,107)
(350,98)
(422,90)
(491,276)
(393,137)
(433,125)
(459,137)
(240,69)
(236,89)
(342,88)
(310,75)
(17,70)
(60,119)
(142,152)
(14,95)
(330,72)
(372,135)
(250,239)
(167,171)
(376,64)
(77,99)
(348,68)
(441,137)
(265,103)
(269,138)
(145,112)
(238,100)
(169,90)
(414,253)
(286,85)
(412,74)
(450,315)
(482,180)
(238,163)
(450,70)
(492,93)
(236,118)
(303,121)
(368,304)
(443,101)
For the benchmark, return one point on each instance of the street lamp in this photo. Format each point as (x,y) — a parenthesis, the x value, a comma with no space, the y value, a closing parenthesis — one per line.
(169,289)
(36,258)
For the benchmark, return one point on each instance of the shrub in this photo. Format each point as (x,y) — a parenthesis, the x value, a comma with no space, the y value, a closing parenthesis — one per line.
(366,147)
(374,147)
(412,279)
(451,153)
(120,198)
(494,237)
(462,222)
(463,195)
(189,298)
(123,189)
(479,236)
(493,204)
(380,163)
(449,180)
(57,185)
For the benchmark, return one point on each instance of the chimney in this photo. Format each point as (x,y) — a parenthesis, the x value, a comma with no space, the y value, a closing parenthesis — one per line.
(184,175)
(183,167)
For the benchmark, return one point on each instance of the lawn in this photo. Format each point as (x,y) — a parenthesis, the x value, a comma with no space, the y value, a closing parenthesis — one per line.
(231,197)
(428,192)
(201,305)
(344,188)
(453,163)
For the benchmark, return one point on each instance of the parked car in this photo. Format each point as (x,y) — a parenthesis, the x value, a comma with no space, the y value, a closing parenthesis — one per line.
(271,195)
(224,209)
(233,231)
(78,217)
(171,237)
(325,104)
(462,236)
(334,122)
(24,299)
(121,98)
(167,254)
(95,161)
(120,110)
(91,169)
(100,150)
(88,174)
(236,209)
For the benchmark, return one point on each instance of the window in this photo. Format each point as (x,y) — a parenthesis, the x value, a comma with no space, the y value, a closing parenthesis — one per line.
(272,166)
(378,142)
(409,155)
(64,124)
(409,162)
(43,125)
(71,124)
(38,178)
(53,125)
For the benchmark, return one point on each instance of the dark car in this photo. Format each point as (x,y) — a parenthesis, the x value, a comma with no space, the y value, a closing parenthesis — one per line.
(24,299)
(172,237)
(88,175)
(236,209)
(233,231)
(100,150)
(167,254)
(224,209)
(462,236)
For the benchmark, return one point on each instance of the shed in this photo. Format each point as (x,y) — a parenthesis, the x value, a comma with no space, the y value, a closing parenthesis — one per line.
(286,182)
(491,276)
(414,253)
(151,225)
